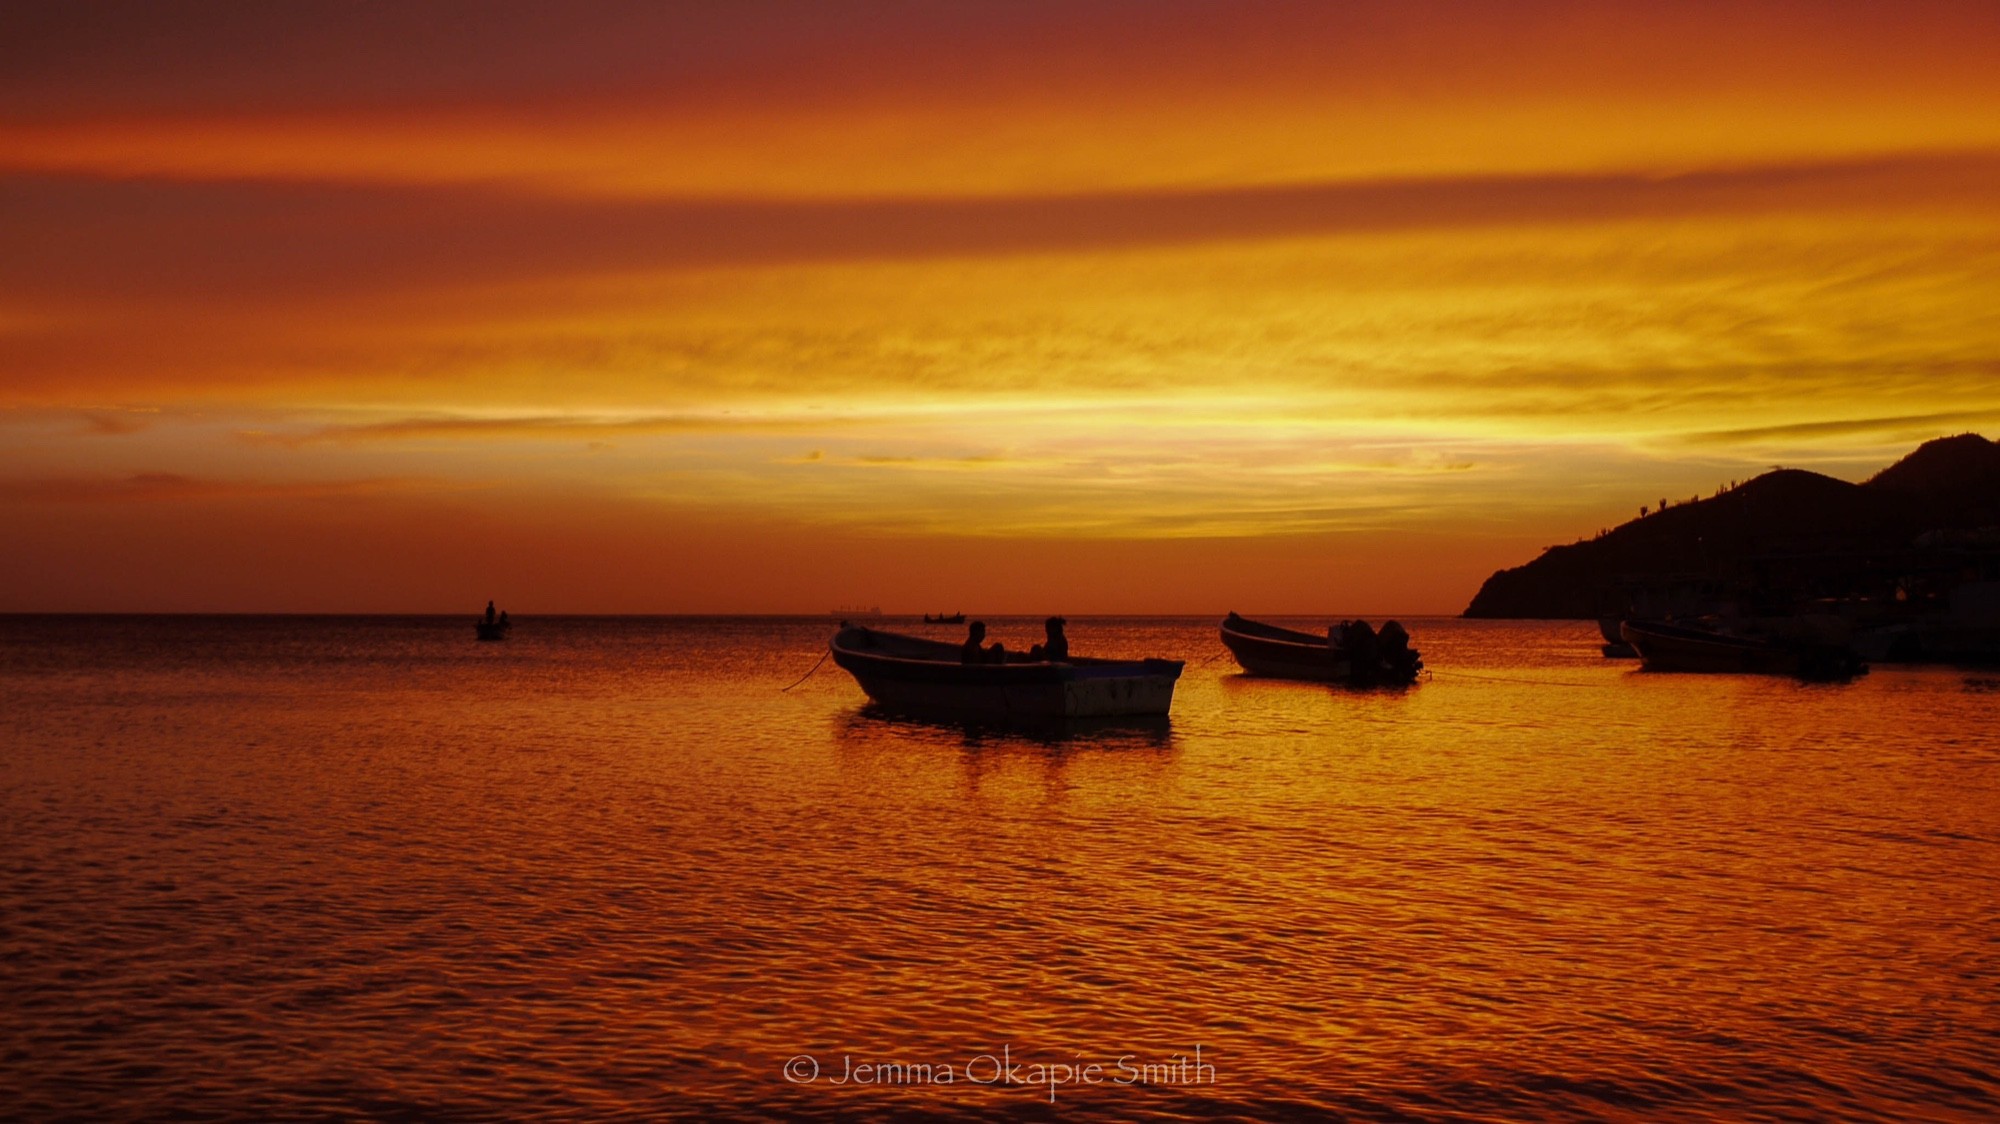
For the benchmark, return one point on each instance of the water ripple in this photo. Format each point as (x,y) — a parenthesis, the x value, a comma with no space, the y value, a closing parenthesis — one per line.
(268,868)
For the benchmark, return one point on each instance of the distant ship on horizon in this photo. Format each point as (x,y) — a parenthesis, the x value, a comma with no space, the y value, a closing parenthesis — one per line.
(857,612)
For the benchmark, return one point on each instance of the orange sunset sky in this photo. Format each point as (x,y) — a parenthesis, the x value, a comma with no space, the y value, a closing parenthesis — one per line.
(1003,307)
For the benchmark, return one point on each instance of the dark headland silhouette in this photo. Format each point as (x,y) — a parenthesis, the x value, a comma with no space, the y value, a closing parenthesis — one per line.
(1778,543)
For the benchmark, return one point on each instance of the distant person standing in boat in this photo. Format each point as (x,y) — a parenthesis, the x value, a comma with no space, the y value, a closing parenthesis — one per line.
(489,612)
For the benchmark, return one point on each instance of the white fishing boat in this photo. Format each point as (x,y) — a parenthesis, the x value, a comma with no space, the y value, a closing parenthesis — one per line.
(930,676)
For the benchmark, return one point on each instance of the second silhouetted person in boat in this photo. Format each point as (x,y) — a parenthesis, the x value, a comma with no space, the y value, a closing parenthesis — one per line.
(1056,650)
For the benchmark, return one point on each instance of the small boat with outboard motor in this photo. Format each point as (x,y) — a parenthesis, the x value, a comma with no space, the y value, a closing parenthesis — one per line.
(923,676)
(1350,652)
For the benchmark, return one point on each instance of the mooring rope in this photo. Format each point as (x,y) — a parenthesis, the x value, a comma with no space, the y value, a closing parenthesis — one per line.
(809,674)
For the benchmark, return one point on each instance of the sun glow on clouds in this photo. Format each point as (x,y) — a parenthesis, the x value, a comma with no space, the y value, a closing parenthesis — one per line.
(1255,315)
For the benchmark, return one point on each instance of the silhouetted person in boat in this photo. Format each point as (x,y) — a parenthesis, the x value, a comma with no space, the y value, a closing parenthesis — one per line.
(504,622)
(1057,648)
(975,655)
(489,613)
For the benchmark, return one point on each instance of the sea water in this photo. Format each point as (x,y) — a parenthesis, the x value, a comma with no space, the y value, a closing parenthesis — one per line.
(284,867)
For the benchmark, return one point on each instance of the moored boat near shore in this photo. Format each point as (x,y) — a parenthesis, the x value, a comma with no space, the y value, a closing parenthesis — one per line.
(929,676)
(1673,647)
(1283,653)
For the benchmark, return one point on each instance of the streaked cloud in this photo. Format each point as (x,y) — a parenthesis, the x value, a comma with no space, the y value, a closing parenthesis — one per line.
(897,98)
(544,427)
(1899,428)
(107,240)
(118,423)
(153,487)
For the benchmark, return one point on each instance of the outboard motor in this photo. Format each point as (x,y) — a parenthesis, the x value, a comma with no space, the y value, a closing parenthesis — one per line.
(1360,642)
(1401,661)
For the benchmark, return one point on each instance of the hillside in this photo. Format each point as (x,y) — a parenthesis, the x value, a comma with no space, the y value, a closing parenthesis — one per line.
(1728,540)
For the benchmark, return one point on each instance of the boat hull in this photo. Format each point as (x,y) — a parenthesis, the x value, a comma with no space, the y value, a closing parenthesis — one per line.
(1664,647)
(1288,661)
(926,677)
(1686,650)
(1107,697)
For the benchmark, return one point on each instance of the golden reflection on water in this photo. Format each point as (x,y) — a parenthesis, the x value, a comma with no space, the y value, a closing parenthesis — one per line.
(609,867)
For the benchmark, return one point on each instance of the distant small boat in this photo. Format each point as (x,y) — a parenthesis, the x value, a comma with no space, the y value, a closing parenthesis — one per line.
(927,676)
(954,618)
(493,630)
(1672,647)
(1283,653)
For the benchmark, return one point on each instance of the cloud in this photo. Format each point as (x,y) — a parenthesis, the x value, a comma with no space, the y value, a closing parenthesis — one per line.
(558,427)
(926,99)
(1896,428)
(91,239)
(69,57)
(122,423)
(173,486)
(895,460)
